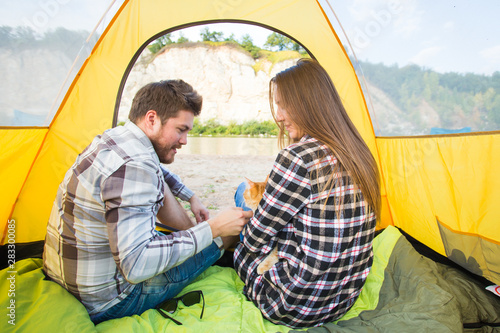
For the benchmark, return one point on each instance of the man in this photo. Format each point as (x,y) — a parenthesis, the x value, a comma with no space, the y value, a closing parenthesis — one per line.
(101,242)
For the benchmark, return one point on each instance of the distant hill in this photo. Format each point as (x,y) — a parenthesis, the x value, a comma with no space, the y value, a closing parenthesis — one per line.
(233,77)
(425,99)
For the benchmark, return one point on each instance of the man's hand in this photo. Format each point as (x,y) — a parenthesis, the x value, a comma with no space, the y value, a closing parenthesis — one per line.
(200,212)
(229,222)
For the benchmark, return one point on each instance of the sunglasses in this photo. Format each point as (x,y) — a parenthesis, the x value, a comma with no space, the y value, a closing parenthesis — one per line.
(188,299)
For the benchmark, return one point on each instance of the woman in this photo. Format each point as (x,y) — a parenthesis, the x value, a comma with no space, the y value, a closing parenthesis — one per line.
(319,207)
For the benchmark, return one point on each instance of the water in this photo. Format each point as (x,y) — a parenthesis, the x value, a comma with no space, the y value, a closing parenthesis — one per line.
(231,146)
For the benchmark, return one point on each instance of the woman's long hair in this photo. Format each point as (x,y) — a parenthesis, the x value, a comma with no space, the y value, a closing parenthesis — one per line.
(309,97)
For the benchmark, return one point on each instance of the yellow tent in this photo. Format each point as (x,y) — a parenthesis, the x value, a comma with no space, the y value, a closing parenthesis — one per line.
(442,190)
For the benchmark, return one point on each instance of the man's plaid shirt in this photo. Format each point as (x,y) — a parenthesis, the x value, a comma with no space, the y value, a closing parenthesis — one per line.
(324,259)
(101,237)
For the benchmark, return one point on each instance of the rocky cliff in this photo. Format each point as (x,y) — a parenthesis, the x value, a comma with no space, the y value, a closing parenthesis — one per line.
(234,86)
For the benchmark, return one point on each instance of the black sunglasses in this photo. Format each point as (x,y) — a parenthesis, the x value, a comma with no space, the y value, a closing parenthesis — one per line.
(170,306)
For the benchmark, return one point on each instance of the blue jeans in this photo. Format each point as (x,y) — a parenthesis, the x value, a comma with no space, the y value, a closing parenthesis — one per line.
(239,200)
(148,294)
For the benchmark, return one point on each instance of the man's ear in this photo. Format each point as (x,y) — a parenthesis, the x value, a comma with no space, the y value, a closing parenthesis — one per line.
(151,118)
(150,121)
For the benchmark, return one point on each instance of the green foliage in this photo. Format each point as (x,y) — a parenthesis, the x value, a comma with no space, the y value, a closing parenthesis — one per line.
(214,36)
(18,37)
(278,41)
(166,40)
(493,109)
(252,128)
(59,39)
(231,38)
(459,99)
(160,43)
(182,39)
(282,43)
(275,57)
(274,41)
(247,44)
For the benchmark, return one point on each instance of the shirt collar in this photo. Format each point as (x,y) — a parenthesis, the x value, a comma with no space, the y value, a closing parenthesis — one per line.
(305,138)
(142,137)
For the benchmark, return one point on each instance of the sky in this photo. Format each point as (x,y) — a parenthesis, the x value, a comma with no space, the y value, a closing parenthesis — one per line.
(445,35)
(42,15)
(258,34)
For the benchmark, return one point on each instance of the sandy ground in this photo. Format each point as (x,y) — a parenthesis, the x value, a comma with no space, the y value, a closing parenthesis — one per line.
(214,178)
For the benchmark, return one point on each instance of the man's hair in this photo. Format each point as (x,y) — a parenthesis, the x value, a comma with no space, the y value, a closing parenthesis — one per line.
(167,98)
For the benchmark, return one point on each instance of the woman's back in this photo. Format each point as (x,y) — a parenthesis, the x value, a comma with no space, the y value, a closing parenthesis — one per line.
(324,257)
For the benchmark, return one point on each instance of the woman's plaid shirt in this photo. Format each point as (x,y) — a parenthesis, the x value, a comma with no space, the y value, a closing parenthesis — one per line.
(324,257)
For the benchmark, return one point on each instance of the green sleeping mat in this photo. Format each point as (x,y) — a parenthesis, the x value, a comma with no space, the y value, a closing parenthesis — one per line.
(404,292)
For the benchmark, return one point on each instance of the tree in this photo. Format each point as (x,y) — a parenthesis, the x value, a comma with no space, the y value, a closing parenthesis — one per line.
(495,81)
(278,41)
(6,37)
(494,113)
(215,36)
(431,85)
(282,43)
(23,37)
(62,39)
(231,39)
(182,39)
(247,44)
(160,43)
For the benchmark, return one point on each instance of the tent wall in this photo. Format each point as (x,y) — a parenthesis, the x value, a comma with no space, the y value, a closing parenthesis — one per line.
(88,107)
(19,149)
(453,179)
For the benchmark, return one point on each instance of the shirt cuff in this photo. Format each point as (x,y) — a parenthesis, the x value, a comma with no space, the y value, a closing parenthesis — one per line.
(218,241)
(185,193)
(202,234)
(203,231)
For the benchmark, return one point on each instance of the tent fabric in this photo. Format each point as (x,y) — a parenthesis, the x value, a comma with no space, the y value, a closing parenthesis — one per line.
(452,178)
(403,292)
(23,145)
(476,254)
(87,109)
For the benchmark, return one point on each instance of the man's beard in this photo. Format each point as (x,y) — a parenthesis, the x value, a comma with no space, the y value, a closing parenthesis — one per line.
(165,154)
